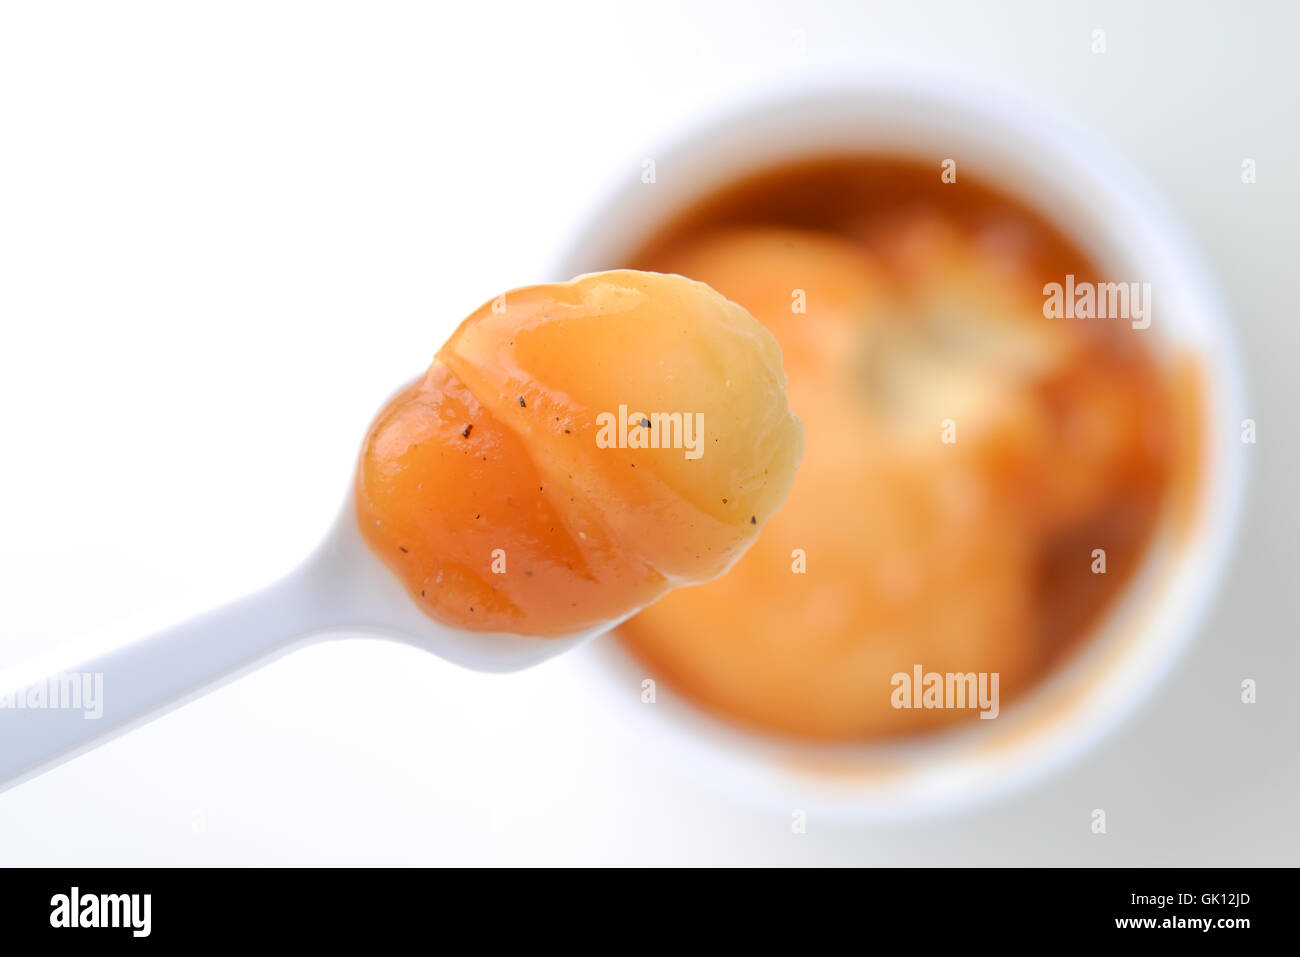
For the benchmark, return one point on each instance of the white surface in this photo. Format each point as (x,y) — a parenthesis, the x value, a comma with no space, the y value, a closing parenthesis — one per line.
(203,206)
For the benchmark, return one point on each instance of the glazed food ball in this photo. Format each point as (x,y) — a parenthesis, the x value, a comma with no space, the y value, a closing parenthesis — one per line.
(576,450)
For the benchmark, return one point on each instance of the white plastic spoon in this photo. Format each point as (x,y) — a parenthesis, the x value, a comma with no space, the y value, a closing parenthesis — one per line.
(46,709)
(342,588)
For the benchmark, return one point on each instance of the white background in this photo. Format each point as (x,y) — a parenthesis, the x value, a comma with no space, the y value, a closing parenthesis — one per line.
(228,230)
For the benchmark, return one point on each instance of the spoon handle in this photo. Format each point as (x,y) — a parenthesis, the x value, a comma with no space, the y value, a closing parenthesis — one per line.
(78,697)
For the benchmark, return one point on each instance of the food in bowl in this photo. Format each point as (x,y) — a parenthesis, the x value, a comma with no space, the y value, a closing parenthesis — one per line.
(980,481)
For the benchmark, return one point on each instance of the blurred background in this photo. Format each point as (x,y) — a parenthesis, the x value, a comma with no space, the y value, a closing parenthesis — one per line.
(226,232)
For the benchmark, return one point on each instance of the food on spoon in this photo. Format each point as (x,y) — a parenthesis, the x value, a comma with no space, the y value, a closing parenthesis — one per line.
(576,450)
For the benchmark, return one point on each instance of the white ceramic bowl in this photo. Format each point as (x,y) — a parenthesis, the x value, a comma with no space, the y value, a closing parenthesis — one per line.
(1095,198)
